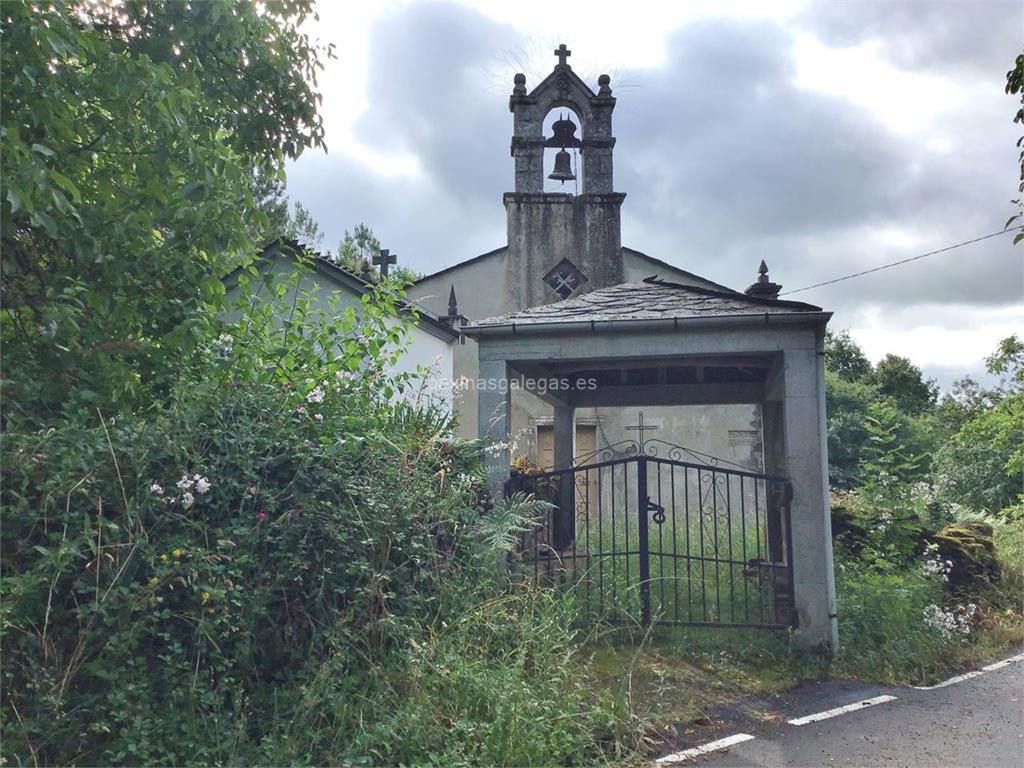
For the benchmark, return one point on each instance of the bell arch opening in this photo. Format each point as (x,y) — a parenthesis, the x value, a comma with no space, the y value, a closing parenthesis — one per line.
(563,151)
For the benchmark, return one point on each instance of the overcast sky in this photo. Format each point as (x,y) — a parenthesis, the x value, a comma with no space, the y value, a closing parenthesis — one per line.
(825,138)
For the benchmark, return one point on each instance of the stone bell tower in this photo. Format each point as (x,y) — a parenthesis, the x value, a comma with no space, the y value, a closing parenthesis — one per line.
(562,244)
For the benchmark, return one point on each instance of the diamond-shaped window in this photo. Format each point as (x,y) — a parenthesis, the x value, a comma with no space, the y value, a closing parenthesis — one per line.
(565,279)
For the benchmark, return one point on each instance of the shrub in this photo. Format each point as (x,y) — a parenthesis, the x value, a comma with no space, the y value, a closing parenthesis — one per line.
(284,563)
(888,628)
(160,585)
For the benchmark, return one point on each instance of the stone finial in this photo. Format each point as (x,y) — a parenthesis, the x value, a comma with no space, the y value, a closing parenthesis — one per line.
(604,86)
(454,319)
(519,89)
(763,288)
(453,303)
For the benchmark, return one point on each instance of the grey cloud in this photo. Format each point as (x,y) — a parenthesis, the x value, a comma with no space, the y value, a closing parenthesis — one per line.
(429,85)
(727,162)
(980,36)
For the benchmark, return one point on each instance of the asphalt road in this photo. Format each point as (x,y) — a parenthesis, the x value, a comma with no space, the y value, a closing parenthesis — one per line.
(978,722)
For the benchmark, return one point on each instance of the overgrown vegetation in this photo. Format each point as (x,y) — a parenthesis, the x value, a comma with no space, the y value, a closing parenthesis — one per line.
(926,512)
(286,562)
(245,542)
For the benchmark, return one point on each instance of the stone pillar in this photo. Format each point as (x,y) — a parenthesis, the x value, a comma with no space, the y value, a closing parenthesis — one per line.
(564,432)
(803,417)
(494,412)
(564,519)
(773,438)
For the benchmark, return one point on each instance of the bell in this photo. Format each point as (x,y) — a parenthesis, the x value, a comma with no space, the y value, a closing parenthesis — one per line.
(563,172)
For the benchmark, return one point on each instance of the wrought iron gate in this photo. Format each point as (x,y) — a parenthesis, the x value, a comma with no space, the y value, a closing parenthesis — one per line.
(647,538)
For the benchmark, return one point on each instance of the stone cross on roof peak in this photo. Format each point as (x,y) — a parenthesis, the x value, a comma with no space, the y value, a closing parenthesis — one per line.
(562,53)
(384,259)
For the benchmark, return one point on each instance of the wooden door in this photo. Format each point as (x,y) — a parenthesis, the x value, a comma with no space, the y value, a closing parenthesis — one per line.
(586,444)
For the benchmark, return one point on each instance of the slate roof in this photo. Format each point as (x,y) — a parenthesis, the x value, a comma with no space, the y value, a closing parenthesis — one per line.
(288,247)
(650,299)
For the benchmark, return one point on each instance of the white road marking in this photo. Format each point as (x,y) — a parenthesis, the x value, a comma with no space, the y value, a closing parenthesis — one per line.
(1004,663)
(739,738)
(952,681)
(840,710)
(976,673)
(704,749)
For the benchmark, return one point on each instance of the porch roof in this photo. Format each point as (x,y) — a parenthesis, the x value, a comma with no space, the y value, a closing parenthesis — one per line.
(650,299)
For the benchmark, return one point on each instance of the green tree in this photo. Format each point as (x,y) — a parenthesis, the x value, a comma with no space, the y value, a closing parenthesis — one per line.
(900,379)
(272,200)
(848,404)
(969,399)
(301,226)
(132,133)
(982,465)
(889,457)
(966,400)
(1008,361)
(844,357)
(357,249)
(284,218)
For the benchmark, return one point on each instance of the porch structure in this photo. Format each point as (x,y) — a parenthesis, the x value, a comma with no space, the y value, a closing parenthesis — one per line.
(658,343)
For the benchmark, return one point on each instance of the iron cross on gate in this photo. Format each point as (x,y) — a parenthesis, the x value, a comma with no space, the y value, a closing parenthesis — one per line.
(641,428)
(384,259)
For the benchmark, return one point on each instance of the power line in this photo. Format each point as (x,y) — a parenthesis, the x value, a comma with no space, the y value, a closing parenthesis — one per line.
(902,261)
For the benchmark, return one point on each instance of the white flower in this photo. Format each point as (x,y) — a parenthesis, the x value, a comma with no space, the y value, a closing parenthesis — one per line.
(936,567)
(950,623)
(48,330)
(187,500)
(202,485)
(155,488)
(318,416)
(225,344)
(185,483)
(316,395)
(344,376)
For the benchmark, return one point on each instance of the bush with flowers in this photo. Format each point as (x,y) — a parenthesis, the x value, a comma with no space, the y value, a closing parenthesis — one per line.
(263,567)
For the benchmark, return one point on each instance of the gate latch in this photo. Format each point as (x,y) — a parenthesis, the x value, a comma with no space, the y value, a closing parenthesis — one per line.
(657,509)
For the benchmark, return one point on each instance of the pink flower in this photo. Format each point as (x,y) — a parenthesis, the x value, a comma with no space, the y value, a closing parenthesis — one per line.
(261,516)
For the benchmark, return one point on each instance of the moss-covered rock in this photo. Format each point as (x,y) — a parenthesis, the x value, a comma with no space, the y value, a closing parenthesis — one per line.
(971,549)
